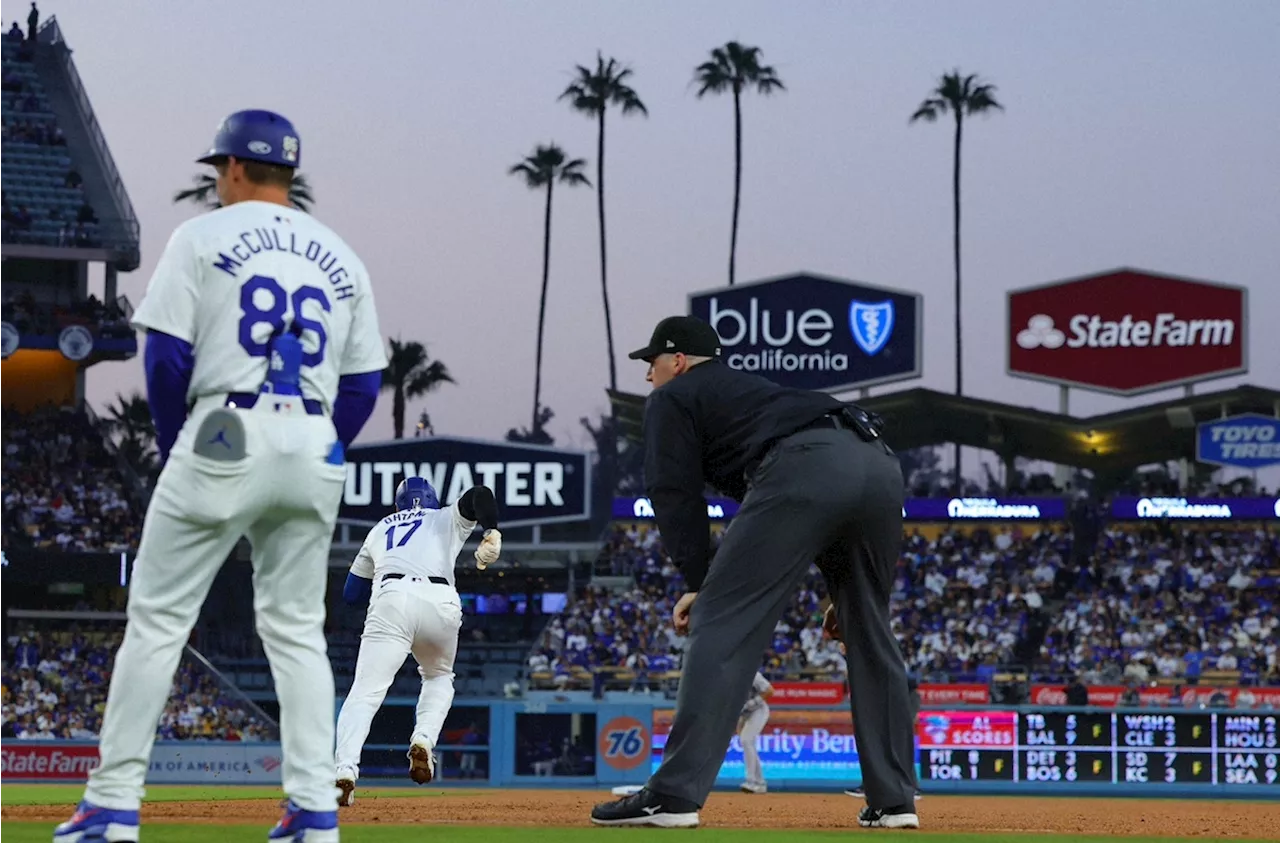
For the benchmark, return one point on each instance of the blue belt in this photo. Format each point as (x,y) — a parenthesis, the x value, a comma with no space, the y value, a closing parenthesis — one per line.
(248,399)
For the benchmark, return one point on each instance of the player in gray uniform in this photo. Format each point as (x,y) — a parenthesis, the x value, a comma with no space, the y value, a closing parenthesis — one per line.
(755,716)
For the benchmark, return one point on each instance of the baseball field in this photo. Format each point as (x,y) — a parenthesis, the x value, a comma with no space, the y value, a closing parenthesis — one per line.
(208,814)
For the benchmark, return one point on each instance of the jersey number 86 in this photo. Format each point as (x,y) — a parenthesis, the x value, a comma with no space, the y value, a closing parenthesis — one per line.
(260,287)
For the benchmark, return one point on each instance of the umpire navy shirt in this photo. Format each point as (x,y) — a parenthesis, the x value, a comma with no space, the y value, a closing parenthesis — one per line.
(707,427)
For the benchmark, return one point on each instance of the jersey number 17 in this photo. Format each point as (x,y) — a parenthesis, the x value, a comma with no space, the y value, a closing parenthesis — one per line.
(408,534)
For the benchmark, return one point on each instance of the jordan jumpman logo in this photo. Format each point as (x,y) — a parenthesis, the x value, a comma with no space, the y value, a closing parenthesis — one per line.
(221,437)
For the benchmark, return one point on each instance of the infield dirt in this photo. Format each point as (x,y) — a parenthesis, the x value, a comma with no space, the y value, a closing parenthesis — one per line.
(1011,814)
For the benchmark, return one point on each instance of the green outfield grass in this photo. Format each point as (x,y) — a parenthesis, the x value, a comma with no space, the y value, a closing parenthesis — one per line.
(39,833)
(27,832)
(69,794)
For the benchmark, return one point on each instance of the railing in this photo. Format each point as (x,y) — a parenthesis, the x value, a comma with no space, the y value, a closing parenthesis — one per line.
(50,34)
(231,688)
(112,233)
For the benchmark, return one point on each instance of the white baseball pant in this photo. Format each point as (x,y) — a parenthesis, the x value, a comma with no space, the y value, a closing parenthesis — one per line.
(283,496)
(752,724)
(409,615)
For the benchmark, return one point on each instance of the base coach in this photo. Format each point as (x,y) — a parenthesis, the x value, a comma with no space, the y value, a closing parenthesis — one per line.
(816,484)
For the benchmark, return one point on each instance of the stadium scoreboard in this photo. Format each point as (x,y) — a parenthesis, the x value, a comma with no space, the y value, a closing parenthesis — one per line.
(1100,747)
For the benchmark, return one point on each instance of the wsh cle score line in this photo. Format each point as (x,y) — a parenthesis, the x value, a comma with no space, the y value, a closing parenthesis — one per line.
(1113,747)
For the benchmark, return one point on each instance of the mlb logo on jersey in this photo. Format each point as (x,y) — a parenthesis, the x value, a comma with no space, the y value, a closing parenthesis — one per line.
(533,484)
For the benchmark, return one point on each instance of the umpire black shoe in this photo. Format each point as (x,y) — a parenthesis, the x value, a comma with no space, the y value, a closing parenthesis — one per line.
(647,808)
(903,816)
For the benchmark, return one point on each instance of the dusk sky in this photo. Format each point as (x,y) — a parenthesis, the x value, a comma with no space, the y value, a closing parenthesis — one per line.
(1137,134)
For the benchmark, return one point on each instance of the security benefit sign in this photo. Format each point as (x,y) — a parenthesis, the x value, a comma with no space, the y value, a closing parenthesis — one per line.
(815,332)
(1247,441)
(533,484)
(1127,332)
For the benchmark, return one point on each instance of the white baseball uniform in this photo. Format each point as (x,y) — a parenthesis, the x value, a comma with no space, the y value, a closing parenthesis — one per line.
(754,717)
(226,281)
(410,557)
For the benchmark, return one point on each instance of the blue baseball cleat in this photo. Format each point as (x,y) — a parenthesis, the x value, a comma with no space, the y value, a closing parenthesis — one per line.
(92,824)
(301,826)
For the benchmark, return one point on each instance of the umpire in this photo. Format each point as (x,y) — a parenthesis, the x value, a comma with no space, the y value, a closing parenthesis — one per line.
(816,484)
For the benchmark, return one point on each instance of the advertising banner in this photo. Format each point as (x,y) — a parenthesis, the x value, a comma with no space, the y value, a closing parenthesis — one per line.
(794,746)
(197,762)
(1195,509)
(1108,696)
(1247,441)
(985,509)
(808,693)
(913,509)
(48,761)
(955,694)
(172,762)
(534,484)
(816,332)
(1127,332)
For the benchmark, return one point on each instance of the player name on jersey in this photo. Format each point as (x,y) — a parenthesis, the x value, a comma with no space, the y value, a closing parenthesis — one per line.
(533,484)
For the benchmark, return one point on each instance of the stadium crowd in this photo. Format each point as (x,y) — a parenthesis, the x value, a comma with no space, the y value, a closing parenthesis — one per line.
(55,687)
(62,489)
(1147,604)
(31,317)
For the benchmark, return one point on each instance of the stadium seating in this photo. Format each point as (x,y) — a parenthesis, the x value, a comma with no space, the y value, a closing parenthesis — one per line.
(55,687)
(43,201)
(63,490)
(1151,605)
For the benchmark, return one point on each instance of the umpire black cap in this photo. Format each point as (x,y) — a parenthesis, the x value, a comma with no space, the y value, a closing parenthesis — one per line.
(680,334)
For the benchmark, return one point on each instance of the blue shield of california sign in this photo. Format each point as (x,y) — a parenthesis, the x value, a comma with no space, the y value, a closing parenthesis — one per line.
(871,324)
(817,332)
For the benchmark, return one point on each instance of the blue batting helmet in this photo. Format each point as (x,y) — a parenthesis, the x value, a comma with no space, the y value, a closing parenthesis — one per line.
(416,493)
(256,135)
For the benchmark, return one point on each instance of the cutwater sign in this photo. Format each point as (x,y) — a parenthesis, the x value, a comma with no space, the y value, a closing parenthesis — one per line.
(815,332)
(533,484)
(1247,441)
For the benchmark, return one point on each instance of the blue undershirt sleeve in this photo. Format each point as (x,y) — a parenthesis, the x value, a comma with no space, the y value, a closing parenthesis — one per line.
(357,590)
(168,362)
(357,395)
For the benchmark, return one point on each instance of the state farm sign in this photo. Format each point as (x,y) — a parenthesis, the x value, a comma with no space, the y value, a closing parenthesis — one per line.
(1127,331)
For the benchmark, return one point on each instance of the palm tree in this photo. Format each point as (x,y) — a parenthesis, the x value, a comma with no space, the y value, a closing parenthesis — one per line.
(204,193)
(546,166)
(960,96)
(130,423)
(411,373)
(591,93)
(736,67)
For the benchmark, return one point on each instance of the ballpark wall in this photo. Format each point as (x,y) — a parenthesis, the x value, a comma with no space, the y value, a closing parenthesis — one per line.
(980,749)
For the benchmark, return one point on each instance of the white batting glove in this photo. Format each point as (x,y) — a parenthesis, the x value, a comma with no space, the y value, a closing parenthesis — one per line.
(490,547)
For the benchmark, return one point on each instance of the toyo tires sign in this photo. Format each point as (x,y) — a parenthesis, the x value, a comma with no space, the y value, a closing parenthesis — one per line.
(1127,332)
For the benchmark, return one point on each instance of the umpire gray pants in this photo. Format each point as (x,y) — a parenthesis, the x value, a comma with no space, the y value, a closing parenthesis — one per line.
(822,496)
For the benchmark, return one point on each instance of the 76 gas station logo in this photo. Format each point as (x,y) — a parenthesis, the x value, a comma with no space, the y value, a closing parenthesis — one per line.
(624,743)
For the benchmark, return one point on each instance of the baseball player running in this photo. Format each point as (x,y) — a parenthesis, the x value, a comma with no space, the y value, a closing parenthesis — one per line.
(755,714)
(263,360)
(405,571)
